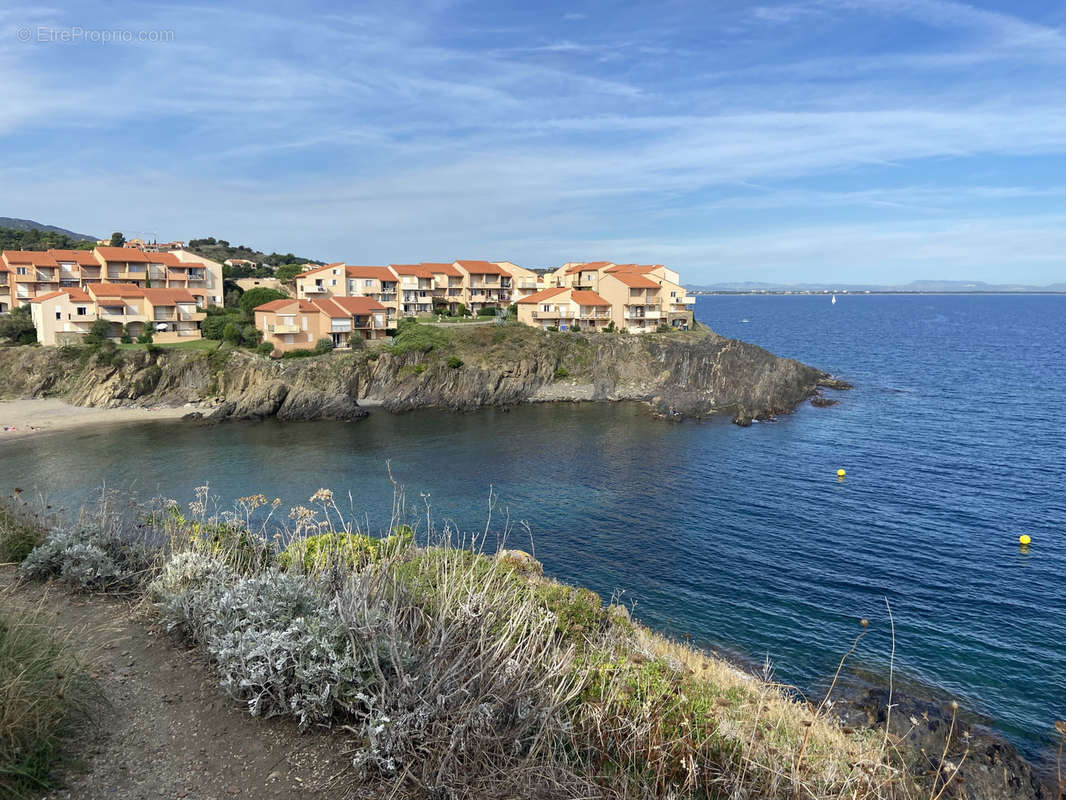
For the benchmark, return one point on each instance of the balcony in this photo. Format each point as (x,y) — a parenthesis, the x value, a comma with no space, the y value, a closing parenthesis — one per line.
(653,314)
(283,328)
(313,288)
(527,284)
(595,315)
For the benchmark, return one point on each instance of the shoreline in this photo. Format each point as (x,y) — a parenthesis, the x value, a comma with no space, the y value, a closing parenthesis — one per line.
(26,418)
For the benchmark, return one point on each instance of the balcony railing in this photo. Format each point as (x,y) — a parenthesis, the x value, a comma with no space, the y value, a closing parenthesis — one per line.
(284,328)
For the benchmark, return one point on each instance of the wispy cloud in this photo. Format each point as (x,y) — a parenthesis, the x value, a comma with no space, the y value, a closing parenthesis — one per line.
(433,129)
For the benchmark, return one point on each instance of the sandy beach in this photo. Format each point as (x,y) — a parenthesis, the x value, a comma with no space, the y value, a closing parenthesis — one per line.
(22,418)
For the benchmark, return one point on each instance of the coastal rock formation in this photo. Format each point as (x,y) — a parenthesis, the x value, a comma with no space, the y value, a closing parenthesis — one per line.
(678,376)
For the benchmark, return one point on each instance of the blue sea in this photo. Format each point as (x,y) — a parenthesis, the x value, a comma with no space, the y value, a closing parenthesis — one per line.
(742,539)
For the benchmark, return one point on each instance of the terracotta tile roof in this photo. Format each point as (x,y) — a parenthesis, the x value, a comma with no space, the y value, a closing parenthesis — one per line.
(82,257)
(440,268)
(275,305)
(330,309)
(168,297)
(482,268)
(76,295)
(313,270)
(120,254)
(586,298)
(115,290)
(589,266)
(635,280)
(544,294)
(168,260)
(637,268)
(358,305)
(3,267)
(412,269)
(34,257)
(380,273)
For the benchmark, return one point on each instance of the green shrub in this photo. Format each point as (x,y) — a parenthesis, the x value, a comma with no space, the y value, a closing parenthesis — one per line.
(663,328)
(231,333)
(411,336)
(487,311)
(251,336)
(346,550)
(288,272)
(454,362)
(107,354)
(99,331)
(265,348)
(126,337)
(17,326)
(552,328)
(146,336)
(300,353)
(324,345)
(373,355)
(562,372)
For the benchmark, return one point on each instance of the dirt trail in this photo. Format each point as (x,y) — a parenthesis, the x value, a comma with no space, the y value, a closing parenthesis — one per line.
(168,732)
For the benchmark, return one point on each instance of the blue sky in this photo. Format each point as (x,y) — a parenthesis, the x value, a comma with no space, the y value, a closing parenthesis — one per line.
(816,140)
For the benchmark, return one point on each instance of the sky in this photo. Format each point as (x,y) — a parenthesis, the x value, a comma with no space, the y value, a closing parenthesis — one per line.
(864,141)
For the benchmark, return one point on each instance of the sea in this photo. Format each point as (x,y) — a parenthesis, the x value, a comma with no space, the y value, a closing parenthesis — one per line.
(741,540)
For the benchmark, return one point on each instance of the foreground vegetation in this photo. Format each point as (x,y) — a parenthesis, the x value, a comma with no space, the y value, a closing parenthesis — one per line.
(463,674)
(45,692)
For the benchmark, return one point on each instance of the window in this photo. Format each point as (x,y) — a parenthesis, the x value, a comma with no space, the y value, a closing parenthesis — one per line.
(546,307)
(20,270)
(82,311)
(333,282)
(368,282)
(59,314)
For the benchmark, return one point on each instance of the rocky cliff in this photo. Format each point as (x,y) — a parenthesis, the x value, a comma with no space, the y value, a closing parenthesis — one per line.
(678,375)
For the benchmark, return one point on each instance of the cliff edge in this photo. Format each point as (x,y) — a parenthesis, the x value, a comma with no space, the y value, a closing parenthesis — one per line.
(679,375)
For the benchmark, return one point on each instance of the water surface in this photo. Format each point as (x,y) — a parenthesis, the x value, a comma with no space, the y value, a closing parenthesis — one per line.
(742,538)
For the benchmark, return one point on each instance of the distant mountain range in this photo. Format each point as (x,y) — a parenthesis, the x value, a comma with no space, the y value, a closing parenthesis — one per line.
(913,286)
(30,225)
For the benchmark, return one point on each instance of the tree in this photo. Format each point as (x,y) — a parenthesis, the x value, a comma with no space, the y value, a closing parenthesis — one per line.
(231,333)
(256,297)
(288,272)
(18,326)
(117,239)
(323,346)
(251,336)
(146,336)
(99,332)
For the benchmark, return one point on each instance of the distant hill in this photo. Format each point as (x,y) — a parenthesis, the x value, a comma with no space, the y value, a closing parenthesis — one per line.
(15,224)
(38,239)
(924,286)
(220,250)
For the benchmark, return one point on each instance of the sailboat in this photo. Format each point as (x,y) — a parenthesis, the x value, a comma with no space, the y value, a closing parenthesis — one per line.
(834,299)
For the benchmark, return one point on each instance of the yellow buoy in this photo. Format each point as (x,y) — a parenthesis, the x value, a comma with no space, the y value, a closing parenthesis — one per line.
(1024,539)
(841,473)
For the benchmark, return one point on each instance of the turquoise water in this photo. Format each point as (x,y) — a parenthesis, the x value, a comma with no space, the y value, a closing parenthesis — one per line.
(742,538)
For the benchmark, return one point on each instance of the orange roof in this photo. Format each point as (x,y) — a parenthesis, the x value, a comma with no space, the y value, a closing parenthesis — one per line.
(379,273)
(589,266)
(440,268)
(329,308)
(168,297)
(170,260)
(277,305)
(127,254)
(586,298)
(637,268)
(544,294)
(34,257)
(76,295)
(358,305)
(482,268)
(82,257)
(115,290)
(412,269)
(634,280)
(313,270)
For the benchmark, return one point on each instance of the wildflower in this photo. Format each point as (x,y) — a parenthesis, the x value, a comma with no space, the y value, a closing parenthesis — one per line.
(322,496)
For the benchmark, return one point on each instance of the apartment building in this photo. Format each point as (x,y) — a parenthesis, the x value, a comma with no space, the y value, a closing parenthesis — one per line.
(34,273)
(524,282)
(565,309)
(642,296)
(301,323)
(378,283)
(5,289)
(66,315)
(488,284)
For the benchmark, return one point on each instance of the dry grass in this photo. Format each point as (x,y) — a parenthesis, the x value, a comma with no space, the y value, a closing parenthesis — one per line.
(465,675)
(45,693)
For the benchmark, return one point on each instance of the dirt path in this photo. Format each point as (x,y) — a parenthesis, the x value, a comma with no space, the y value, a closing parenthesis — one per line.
(169,732)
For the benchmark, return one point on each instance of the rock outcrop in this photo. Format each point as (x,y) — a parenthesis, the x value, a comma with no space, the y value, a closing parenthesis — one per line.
(678,376)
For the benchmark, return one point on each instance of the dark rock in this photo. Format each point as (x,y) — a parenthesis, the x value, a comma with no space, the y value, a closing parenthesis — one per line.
(823,402)
(193,415)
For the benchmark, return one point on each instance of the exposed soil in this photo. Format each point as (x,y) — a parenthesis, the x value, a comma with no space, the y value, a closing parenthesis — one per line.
(167,731)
